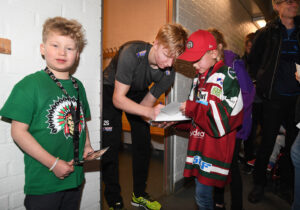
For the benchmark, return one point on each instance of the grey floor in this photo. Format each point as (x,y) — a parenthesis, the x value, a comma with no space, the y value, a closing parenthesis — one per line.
(184,198)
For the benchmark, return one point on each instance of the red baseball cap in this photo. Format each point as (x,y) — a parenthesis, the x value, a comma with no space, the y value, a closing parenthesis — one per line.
(197,45)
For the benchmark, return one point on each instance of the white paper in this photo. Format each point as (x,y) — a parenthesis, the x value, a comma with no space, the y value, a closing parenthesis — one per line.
(171,112)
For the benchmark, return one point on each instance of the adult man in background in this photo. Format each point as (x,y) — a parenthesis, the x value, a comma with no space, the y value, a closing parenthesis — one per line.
(272,59)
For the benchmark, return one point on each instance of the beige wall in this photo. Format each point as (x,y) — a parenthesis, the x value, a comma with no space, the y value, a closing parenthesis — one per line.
(126,20)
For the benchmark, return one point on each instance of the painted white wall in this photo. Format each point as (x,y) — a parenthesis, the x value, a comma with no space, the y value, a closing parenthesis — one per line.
(21,22)
(234,22)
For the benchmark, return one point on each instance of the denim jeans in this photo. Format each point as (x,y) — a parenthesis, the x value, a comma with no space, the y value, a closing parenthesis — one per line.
(295,155)
(203,196)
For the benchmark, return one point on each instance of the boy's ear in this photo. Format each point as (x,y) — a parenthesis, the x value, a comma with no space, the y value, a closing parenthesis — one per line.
(42,49)
(77,55)
(220,46)
(155,44)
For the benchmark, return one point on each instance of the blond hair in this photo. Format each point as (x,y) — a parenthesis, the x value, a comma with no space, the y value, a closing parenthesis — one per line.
(173,37)
(65,27)
(219,39)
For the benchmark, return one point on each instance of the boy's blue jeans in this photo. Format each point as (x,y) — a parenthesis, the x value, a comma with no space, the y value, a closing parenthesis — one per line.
(295,155)
(203,196)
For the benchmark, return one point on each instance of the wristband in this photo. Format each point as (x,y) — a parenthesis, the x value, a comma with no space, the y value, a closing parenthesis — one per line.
(54,164)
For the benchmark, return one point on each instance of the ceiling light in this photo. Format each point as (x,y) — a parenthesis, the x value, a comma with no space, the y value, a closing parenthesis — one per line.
(259,21)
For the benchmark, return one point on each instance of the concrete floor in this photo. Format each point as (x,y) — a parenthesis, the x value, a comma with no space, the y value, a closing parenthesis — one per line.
(184,198)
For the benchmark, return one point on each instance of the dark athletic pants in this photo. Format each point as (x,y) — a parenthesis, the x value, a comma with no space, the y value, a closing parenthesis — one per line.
(236,184)
(276,111)
(256,120)
(62,200)
(140,136)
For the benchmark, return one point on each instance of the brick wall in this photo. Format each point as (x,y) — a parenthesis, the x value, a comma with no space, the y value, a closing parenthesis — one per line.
(233,21)
(21,22)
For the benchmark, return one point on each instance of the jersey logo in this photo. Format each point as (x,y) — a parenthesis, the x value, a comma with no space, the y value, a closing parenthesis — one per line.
(189,45)
(60,117)
(231,73)
(217,78)
(204,166)
(141,53)
(197,134)
(216,91)
(220,80)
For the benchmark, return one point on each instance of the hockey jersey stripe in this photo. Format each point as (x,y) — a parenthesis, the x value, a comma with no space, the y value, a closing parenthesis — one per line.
(207,159)
(217,118)
(192,170)
(206,166)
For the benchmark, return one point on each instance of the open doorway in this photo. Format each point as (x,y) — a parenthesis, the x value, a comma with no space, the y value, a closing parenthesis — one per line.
(126,21)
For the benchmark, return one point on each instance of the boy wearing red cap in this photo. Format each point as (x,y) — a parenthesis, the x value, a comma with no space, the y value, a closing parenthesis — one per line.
(215,106)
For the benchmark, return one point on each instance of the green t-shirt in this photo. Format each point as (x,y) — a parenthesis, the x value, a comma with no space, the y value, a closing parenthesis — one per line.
(37,101)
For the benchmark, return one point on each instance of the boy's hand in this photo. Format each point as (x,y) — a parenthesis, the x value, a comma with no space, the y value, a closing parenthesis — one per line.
(63,168)
(87,150)
(182,108)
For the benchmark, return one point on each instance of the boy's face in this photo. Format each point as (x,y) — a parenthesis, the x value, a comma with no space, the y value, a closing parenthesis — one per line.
(248,47)
(163,58)
(60,52)
(207,61)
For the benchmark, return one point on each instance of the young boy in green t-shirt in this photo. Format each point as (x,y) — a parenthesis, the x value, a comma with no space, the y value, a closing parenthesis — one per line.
(48,110)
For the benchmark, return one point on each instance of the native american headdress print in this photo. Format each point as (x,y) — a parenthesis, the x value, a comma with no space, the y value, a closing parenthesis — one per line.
(60,117)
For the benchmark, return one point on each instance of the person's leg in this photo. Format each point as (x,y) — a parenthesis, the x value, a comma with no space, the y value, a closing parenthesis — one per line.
(71,199)
(236,184)
(50,201)
(141,142)
(219,197)
(279,143)
(271,123)
(286,171)
(295,155)
(111,136)
(249,143)
(203,196)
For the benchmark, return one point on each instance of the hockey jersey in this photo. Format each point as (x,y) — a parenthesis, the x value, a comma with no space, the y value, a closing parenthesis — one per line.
(215,105)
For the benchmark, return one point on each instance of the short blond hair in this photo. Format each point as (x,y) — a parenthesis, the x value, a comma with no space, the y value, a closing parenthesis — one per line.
(65,27)
(173,37)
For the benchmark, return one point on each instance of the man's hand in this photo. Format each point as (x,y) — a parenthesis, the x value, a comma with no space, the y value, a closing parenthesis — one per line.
(154,111)
(63,169)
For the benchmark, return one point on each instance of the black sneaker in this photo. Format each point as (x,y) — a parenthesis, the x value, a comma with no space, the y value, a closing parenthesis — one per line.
(256,194)
(117,206)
